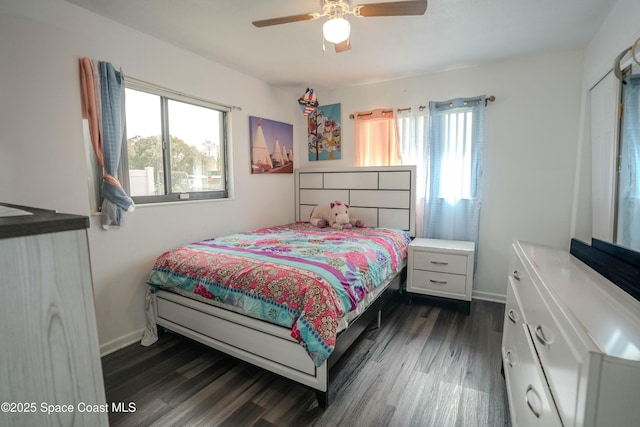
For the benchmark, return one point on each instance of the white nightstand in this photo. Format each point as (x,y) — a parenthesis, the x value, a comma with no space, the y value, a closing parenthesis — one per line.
(441,268)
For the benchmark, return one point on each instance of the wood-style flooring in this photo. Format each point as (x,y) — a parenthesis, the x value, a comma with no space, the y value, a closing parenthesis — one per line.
(428,365)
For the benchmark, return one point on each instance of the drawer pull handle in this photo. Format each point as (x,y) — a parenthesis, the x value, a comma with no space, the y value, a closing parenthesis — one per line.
(439,263)
(516,275)
(512,315)
(439,282)
(540,336)
(531,390)
(508,358)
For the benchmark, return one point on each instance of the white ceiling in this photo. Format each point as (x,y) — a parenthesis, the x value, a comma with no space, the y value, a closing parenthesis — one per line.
(452,34)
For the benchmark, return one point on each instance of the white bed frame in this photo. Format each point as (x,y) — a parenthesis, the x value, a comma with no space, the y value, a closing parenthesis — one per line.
(381,196)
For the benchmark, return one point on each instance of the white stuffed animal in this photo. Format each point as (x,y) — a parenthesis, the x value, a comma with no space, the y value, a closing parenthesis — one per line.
(334,215)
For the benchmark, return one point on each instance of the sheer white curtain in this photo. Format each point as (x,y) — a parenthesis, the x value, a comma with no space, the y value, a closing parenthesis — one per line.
(413,136)
(447,145)
(456,141)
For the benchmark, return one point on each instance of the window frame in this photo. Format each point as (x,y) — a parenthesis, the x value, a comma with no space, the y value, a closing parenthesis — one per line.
(165,96)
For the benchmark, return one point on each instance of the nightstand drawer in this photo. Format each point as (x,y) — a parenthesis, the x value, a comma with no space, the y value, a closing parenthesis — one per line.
(441,282)
(444,263)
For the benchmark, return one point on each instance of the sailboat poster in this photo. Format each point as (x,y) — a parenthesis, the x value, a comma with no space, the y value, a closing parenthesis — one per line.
(271,146)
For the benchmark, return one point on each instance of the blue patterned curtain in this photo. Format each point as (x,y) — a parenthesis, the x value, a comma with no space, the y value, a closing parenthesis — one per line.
(115,200)
(628,225)
(104,108)
(456,142)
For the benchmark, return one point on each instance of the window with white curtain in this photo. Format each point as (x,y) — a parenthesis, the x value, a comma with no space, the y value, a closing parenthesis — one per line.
(446,144)
(413,134)
(376,139)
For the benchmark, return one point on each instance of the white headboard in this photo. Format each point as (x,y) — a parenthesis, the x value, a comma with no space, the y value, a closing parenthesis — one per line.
(381,196)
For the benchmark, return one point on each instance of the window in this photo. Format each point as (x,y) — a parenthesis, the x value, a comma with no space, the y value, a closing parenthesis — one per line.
(456,161)
(175,147)
(376,139)
(446,145)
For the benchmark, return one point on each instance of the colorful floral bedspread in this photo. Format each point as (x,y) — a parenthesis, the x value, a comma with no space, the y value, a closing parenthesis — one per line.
(297,276)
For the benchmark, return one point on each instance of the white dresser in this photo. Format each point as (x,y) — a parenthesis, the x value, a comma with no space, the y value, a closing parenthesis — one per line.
(441,268)
(50,370)
(571,343)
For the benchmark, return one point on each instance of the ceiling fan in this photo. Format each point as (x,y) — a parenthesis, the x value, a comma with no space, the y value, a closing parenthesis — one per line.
(337,29)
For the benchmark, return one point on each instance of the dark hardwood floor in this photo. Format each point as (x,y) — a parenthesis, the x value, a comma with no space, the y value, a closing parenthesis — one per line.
(429,365)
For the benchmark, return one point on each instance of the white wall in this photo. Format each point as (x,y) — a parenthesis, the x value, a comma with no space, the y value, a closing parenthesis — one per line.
(531,139)
(618,32)
(43,154)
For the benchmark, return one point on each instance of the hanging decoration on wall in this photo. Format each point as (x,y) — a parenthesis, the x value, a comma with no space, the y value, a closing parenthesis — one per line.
(271,146)
(325,133)
(308,102)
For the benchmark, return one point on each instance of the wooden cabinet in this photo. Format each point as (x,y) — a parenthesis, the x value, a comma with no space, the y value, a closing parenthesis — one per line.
(441,268)
(49,346)
(571,343)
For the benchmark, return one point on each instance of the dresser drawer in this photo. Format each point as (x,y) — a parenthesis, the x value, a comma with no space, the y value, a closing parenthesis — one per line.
(521,280)
(444,263)
(530,400)
(533,402)
(561,361)
(513,320)
(513,325)
(441,282)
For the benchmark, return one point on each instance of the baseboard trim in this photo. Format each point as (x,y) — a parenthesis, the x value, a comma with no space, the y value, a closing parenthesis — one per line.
(489,296)
(118,343)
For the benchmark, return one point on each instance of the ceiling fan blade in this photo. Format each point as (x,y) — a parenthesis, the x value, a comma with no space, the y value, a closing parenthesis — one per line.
(398,8)
(285,20)
(343,46)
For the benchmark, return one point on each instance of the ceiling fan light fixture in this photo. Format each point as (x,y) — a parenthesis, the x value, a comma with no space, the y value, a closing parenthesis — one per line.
(336,30)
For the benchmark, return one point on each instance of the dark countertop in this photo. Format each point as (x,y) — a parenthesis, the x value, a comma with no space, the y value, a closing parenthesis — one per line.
(41,222)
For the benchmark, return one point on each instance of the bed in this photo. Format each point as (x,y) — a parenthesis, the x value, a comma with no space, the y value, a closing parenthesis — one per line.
(292,298)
